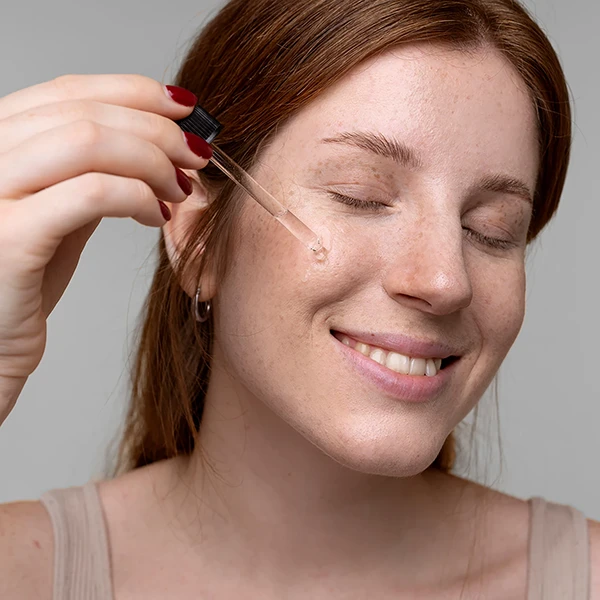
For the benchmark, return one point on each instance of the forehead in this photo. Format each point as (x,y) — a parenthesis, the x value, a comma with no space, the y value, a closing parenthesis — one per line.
(458,109)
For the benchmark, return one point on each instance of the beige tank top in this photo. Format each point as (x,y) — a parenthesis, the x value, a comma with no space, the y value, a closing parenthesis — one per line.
(559,560)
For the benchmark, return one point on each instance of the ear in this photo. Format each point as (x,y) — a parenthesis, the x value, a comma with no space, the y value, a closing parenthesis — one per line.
(176,231)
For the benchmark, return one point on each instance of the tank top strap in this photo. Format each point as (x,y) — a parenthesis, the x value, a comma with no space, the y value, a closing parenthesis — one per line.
(559,558)
(81,549)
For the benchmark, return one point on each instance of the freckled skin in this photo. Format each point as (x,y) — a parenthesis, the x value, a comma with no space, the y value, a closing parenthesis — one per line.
(414,271)
(312,467)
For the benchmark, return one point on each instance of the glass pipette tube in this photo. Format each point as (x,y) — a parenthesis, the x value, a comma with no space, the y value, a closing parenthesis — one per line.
(288,219)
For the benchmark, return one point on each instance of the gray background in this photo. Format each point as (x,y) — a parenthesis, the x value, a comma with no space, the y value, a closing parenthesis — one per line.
(72,405)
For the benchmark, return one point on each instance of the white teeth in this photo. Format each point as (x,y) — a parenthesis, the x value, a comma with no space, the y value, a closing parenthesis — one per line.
(430,368)
(363,349)
(396,362)
(378,355)
(417,366)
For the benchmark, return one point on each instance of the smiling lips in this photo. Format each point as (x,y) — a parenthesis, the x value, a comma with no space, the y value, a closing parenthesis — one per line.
(399,363)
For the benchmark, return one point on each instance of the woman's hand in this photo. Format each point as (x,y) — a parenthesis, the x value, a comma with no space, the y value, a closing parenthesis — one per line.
(72,151)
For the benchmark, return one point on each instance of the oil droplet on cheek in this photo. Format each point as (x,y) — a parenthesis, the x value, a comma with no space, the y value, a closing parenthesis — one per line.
(319,261)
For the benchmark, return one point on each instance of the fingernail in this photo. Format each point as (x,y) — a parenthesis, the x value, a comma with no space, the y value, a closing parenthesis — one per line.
(181,95)
(184,182)
(198,146)
(164,209)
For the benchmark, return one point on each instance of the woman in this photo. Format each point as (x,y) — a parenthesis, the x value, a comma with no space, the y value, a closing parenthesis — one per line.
(290,429)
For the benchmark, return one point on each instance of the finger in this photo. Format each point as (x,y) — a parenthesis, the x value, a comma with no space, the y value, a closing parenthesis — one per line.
(72,150)
(35,226)
(60,270)
(154,128)
(134,91)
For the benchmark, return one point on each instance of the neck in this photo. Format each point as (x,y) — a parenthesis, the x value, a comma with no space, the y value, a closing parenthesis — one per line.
(269,496)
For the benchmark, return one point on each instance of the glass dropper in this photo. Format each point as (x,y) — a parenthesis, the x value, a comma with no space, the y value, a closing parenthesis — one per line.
(288,219)
(203,124)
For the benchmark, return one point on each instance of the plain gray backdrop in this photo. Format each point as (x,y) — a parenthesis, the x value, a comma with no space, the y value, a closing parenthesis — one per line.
(73,404)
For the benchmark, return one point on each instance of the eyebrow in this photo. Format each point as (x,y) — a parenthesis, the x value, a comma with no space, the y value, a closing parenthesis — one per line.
(380,145)
(506,185)
(408,157)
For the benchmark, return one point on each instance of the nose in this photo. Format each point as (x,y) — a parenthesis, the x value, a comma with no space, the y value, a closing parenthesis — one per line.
(427,268)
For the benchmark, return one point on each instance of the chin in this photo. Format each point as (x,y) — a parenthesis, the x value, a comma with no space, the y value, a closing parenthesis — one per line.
(391,454)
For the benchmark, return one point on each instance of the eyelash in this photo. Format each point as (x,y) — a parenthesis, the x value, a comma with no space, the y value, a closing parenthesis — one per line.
(496,243)
(359,204)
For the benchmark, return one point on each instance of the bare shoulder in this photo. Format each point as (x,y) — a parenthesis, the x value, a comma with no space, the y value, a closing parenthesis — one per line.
(26,551)
(511,514)
(594,529)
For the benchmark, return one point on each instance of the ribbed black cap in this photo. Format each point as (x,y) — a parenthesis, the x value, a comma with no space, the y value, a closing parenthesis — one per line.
(201,123)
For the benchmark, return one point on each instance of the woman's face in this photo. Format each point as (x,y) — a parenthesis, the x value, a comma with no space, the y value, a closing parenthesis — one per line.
(410,267)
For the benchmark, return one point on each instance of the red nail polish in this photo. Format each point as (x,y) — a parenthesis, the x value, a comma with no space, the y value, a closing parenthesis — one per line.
(184,182)
(164,209)
(198,145)
(181,95)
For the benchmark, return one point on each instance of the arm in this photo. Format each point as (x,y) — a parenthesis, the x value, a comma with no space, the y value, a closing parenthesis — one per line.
(26,552)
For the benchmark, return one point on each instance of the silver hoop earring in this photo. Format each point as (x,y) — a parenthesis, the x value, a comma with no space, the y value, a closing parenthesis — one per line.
(201,317)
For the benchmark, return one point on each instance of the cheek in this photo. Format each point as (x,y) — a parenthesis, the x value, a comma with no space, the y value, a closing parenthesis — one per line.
(272,306)
(260,298)
(500,306)
(272,270)
(276,295)
(251,294)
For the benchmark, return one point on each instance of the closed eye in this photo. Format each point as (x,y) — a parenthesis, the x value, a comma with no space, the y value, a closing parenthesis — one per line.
(492,242)
(359,204)
(372,205)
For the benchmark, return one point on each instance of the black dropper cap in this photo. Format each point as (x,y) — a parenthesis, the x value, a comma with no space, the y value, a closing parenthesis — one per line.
(201,123)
